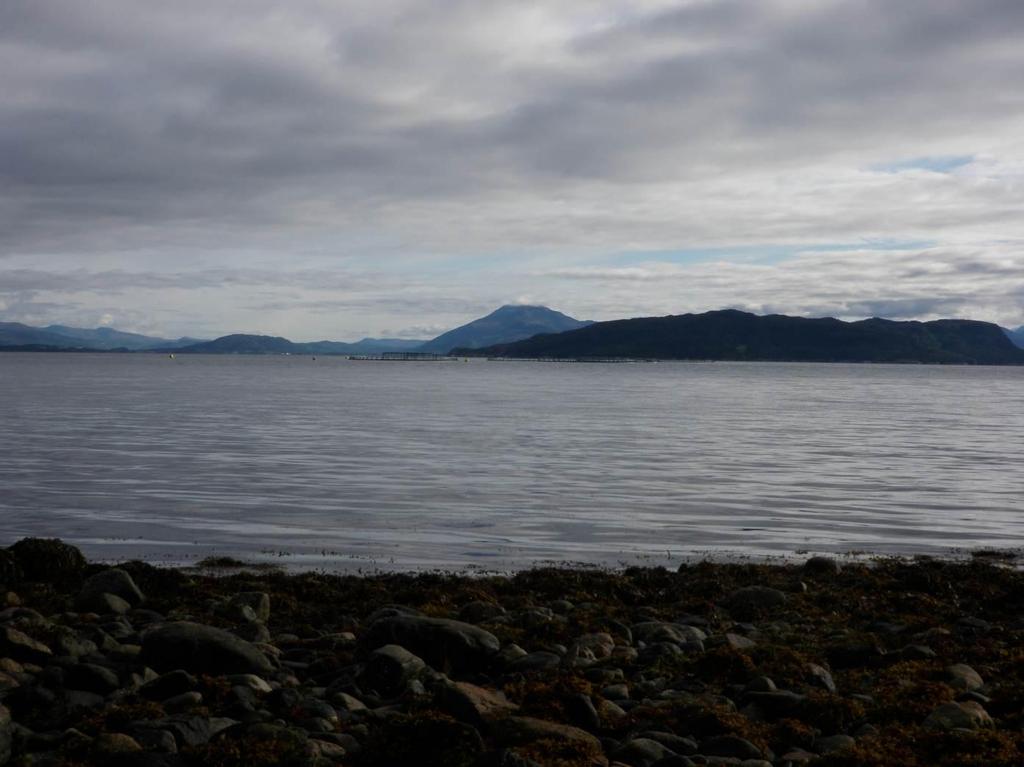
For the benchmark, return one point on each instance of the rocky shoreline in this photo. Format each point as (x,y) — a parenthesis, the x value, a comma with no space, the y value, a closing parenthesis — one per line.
(886,663)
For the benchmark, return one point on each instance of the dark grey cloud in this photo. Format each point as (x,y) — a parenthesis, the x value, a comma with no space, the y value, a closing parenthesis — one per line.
(314,147)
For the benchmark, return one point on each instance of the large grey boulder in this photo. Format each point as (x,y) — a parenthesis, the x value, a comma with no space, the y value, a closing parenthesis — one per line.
(202,650)
(446,645)
(390,668)
(113,581)
(754,601)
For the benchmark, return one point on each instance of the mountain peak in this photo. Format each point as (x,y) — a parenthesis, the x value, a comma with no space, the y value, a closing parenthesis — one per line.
(511,322)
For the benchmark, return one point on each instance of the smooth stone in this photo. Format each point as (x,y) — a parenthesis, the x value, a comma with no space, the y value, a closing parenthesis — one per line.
(963,678)
(183,702)
(168,685)
(257,601)
(6,735)
(819,676)
(730,745)
(253,682)
(115,743)
(662,631)
(541,660)
(833,743)
(390,668)
(114,581)
(475,705)
(753,601)
(201,649)
(641,752)
(21,647)
(968,715)
(92,678)
(444,644)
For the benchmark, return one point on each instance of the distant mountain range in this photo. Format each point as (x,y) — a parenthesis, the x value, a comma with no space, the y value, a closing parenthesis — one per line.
(240,343)
(735,335)
(536,331)
(101,339)
(509,323)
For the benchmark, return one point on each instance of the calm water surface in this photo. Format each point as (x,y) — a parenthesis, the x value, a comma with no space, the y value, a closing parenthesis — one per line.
(501,464)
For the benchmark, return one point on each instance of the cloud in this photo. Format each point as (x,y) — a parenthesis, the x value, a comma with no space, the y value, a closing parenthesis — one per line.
(320,152)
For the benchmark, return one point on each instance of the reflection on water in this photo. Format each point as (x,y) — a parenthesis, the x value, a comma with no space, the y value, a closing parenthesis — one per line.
(498,465)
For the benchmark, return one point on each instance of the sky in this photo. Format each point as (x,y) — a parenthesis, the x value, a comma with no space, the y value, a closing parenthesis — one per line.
(326,170)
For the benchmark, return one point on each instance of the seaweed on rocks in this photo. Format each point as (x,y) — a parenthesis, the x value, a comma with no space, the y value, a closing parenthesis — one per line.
(888,662)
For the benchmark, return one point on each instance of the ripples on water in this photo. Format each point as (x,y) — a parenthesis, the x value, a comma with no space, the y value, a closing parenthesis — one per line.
(499,465)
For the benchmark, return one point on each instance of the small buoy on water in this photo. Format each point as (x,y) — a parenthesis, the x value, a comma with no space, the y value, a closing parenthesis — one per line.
(314,359)
(170,356)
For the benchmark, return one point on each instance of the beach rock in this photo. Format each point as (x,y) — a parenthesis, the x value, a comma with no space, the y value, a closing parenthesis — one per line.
(541,660)
(390,668)
(660,631)
(822,566)
(730,745)
(21,647)
(168,685)
(91,678)
(739,643)
(520,730)
(968,715)
(760,684)
(582,713)
(754,601)
(641,752)
(257,601)
(201,649)
(446,645)
(963,678)
(113,581)
(114,743)
(778,703)
(189,730)
(832,743)
(590,648)
(917,652)
(475,705)
(48,560)
(250,681)
(675,743)
(6,735)
(819,676)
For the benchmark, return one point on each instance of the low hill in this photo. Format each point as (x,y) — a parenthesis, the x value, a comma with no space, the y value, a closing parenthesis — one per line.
(62,337)
(1017,337)
(111,338)
(16,334)
(509,323)
(243,343)
(736,335)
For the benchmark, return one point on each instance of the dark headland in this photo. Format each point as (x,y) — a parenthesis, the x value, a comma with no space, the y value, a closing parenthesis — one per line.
(736,335)
(918,664)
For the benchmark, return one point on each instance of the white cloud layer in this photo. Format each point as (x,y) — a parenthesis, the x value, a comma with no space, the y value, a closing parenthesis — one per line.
(333,170)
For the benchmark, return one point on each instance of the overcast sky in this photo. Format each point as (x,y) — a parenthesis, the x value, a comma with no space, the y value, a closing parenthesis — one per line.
(323,169)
